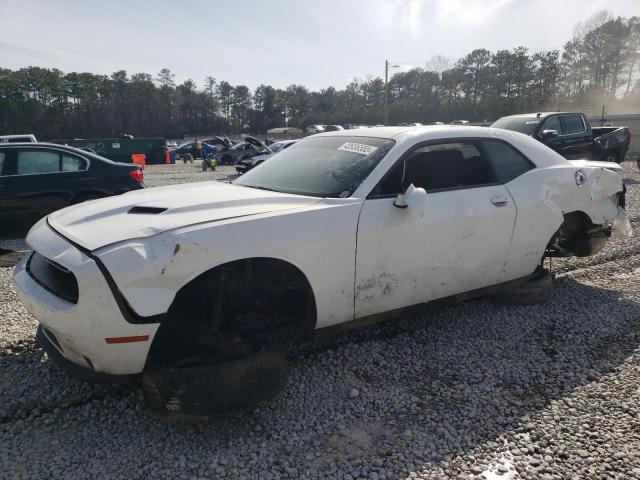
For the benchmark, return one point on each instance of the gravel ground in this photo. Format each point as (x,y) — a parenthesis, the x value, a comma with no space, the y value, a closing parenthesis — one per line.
(474,390)
(158,175)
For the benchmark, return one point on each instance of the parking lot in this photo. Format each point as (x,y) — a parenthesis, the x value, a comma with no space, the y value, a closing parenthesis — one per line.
(477,389)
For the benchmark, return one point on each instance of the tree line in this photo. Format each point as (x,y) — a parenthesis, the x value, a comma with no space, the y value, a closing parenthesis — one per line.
(599,65)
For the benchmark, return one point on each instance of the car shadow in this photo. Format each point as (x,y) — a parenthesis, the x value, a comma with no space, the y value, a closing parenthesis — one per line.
(423,395)
(430,387)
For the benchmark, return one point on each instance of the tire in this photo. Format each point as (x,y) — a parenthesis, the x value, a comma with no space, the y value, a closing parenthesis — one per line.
(226,160)
(537,289)
(210,390)
(187,157)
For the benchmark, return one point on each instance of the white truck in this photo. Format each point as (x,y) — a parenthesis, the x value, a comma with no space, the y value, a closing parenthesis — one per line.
(26,137)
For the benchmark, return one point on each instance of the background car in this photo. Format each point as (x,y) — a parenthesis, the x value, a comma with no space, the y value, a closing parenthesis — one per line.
(571,135)
(250,147)
(39,178)
(188,150)
(311,129)
(182,150)
(247,163)
(27,137)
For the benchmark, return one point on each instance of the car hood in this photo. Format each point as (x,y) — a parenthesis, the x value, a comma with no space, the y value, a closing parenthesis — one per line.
(256,143)
(143,213)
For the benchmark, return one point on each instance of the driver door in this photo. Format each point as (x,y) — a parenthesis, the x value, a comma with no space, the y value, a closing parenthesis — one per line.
(458,243)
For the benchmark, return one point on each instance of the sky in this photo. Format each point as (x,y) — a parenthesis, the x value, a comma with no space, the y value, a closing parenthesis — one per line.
(277,42)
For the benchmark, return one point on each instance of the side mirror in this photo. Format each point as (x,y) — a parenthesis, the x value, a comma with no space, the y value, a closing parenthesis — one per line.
(413,197)
(548,133)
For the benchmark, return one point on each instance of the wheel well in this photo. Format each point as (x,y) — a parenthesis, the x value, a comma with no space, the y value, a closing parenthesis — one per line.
(577,236)
(260,299)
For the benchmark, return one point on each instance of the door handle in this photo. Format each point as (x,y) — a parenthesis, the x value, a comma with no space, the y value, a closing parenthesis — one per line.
(499,201)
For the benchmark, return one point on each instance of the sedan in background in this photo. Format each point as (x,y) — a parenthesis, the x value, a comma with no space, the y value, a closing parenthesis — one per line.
(247,163)
(37,179)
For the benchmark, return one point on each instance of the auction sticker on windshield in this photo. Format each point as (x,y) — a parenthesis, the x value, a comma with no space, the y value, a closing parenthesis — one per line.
(362,148)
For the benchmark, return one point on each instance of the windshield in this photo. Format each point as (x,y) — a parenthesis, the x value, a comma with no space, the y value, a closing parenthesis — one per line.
(320,166)
(518,124)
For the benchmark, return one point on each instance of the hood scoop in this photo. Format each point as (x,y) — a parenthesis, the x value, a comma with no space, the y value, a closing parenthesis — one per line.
(147,210)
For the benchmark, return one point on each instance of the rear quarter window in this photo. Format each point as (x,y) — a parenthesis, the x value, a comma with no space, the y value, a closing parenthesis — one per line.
(71,164)
(507,162)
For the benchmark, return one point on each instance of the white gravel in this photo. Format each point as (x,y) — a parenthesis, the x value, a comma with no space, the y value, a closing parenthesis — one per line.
(475,390)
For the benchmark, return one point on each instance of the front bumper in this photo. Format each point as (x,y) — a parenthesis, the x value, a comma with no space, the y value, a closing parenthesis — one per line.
(81,329)
(49,344)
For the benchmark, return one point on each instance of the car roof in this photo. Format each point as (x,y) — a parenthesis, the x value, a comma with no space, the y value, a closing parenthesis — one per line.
(542,114)
(41,144)
(58,146)
(402,133)
(425,133)
(378,132)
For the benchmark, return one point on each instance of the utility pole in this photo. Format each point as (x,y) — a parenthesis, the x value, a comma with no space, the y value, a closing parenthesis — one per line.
(386,92)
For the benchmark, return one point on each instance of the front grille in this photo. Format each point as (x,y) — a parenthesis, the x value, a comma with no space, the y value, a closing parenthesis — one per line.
(53,277)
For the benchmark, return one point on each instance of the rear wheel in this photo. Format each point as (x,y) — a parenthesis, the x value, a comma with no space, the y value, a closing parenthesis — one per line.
(226,160)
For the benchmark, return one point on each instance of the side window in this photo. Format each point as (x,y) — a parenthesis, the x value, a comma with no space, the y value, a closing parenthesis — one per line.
(438,167)
(71,164)
(2,155)
(572,124)
(552,123)
(507,162)
(37,161)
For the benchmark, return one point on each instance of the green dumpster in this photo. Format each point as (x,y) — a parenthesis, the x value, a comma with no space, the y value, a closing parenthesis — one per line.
(121,149)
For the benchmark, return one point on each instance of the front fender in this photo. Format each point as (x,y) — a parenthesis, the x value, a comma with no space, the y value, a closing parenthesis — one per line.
(319,241)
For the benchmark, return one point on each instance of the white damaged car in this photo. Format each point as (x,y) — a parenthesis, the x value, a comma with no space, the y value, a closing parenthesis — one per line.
(341,226)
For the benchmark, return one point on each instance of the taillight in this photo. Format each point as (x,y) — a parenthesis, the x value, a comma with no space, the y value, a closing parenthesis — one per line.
(628,137)
(137,175)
